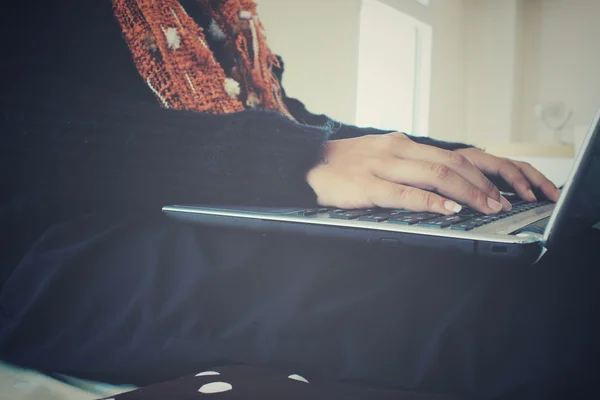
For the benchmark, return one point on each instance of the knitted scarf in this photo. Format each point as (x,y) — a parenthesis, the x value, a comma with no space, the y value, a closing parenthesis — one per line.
(173,57)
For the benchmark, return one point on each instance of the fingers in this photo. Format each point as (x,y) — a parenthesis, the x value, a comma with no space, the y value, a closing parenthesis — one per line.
(455,161)
(538,180)
(438,177)
(519,175)
(392,195)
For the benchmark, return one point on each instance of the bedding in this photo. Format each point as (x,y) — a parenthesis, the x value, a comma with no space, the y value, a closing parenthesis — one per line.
(24,384)
(243,382)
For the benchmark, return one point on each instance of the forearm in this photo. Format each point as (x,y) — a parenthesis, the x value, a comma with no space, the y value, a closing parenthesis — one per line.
(148,157)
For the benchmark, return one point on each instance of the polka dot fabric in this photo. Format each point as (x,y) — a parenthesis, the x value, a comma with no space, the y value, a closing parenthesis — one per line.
(243,382)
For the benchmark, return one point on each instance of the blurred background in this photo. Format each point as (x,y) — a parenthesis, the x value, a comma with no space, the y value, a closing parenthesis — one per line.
(519,78)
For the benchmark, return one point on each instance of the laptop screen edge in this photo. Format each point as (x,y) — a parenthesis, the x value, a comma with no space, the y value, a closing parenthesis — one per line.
(583,158)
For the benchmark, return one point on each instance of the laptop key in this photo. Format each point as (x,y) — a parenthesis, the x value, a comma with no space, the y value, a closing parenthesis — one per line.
(303,213)
(484,220)
(468,212)
(311,211)
(411,218)
(492,218)
(378,217)
(337,211)
(444,221)
(463,227)
(352,214)
(435,225)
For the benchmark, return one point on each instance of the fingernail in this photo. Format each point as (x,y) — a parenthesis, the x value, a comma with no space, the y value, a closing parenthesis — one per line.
(452,206)
(505,203)
(494,205)
(531,195)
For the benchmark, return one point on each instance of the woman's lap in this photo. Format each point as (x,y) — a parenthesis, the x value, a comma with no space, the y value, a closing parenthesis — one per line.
(146,301)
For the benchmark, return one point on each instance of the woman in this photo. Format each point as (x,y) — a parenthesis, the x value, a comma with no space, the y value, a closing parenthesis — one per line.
(111,112)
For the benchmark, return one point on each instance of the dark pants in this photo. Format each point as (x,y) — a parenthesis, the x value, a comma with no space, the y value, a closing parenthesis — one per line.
(145,300)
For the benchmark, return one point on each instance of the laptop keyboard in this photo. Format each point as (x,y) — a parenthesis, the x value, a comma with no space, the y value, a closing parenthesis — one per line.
(466,220)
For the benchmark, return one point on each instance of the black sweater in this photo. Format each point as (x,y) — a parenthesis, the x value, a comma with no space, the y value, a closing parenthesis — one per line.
(80,131)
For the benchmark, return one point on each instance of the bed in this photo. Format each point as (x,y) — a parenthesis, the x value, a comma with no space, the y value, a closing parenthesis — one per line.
(23,384)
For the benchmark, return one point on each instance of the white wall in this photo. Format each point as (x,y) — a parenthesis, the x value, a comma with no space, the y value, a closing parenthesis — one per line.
(447,117)
(561,62)
(491,52)
(492,61)
(448,107)
(319,41)
(394,70)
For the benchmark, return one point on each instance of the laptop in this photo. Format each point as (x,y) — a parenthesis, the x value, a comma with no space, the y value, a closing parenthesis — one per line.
(526,231)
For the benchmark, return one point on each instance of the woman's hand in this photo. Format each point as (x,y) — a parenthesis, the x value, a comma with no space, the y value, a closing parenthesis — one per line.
(392,171)
(521,176)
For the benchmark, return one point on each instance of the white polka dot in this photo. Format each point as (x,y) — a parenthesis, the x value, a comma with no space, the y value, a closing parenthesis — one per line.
(297,377)
(245,14)
(232,87)
(215,387)
(173,39)
(208,373)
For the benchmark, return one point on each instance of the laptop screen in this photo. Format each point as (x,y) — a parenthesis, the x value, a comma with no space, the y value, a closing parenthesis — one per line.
(579,203)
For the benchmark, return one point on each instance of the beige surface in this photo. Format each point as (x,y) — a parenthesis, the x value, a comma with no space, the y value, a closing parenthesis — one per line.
(23,384)
(528,150)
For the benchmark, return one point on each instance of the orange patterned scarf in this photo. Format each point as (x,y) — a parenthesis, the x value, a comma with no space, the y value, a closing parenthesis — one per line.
(173,57)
